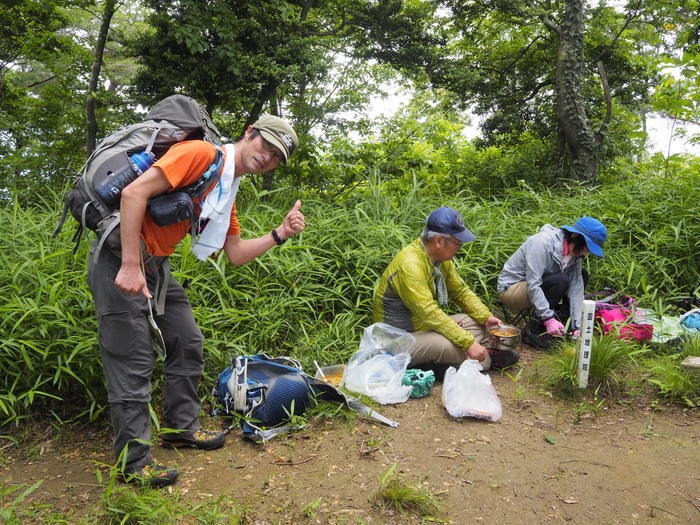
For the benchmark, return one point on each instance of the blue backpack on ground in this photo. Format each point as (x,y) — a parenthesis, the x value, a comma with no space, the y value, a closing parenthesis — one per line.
(268,391)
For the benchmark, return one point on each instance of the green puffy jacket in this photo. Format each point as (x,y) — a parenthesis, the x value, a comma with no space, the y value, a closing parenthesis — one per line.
(406,297)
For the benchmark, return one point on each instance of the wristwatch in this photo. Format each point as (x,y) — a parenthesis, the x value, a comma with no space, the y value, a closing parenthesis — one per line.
(277,239)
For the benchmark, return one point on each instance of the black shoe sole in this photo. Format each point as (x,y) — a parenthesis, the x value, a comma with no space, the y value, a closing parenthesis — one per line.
(189,444)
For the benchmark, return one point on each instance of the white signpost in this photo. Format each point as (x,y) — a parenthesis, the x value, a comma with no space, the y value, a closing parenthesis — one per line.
(584,353)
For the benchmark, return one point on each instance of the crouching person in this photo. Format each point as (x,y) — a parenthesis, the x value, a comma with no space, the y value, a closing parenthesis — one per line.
(415,289)
(545,276)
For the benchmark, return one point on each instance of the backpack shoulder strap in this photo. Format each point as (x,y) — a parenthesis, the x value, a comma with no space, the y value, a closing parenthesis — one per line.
(210,175)
(108,231)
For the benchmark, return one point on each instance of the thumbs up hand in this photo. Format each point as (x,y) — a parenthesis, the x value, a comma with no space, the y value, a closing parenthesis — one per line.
(294,222)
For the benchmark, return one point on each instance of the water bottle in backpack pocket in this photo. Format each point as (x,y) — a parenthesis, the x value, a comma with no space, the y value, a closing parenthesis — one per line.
(92,201)
(109,182)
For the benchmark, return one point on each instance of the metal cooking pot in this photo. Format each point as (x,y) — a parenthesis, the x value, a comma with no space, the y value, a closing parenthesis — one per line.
(504,337)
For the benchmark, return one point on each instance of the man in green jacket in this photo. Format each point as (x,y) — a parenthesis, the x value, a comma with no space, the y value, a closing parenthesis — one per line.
(417,285)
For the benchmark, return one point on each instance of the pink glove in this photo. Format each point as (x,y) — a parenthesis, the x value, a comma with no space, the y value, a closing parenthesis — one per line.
(577,333)
(554,327)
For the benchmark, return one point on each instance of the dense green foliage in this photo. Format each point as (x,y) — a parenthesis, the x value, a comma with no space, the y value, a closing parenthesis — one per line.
(311,298)
(322,63)
(620,366)
(367,182)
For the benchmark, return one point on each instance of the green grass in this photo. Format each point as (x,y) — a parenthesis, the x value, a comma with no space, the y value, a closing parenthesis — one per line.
(126,505)
(11,498)
(611,358)
(671,380)
(395,493)
(311,298)
(48,325)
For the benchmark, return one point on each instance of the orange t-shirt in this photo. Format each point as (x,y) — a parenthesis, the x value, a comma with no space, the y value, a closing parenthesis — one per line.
(182,165)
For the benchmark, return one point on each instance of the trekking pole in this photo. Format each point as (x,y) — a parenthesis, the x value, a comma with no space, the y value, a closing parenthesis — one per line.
(584,353)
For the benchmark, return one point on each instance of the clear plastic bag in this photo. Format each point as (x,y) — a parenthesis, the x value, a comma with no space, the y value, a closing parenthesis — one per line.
(469,393)
(377,368)
(383,338)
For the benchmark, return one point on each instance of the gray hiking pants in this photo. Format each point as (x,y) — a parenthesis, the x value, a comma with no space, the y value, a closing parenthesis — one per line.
(128,356)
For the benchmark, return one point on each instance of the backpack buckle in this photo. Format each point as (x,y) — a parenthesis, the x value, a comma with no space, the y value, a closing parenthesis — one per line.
(240,390)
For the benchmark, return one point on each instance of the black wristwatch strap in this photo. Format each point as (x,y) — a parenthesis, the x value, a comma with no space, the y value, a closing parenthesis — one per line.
(277,238)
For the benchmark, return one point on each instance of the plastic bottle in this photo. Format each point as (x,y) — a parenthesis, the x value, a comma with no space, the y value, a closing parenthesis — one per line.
(110,189)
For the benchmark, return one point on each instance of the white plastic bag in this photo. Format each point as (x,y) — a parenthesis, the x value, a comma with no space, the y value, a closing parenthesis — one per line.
(377,368)
(469,393)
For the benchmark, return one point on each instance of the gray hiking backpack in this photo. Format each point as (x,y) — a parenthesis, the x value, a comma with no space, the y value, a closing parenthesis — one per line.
(122,156)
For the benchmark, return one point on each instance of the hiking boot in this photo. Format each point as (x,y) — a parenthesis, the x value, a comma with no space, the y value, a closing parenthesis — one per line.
(153,475)
(201,439)
(539,340)
(503,358)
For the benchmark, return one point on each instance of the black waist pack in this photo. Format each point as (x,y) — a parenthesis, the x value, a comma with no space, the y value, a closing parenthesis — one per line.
(171,208)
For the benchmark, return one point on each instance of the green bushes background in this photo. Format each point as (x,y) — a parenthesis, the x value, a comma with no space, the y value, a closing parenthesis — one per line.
(311,298)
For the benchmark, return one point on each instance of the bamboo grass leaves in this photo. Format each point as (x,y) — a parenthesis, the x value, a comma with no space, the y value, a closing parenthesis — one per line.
(311,297)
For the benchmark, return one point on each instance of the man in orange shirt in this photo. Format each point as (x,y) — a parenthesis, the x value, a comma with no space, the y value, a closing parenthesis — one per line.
(129,284)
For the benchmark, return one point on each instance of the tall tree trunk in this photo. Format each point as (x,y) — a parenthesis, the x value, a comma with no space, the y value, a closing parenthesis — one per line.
(581,141)
(90,119)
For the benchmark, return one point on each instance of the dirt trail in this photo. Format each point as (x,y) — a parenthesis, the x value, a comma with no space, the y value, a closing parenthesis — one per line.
(541,463)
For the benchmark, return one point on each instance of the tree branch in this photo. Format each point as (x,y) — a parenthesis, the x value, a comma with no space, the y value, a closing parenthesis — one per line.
(550,24)
(631,15)
(603,130)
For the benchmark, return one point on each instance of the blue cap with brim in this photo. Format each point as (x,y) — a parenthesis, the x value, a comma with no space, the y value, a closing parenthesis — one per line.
(448,220)
(593,232)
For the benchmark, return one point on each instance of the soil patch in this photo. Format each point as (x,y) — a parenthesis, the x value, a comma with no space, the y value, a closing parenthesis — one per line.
(546,460)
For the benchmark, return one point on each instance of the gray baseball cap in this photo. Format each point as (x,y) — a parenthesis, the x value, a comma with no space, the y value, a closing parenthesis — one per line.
(277,132)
